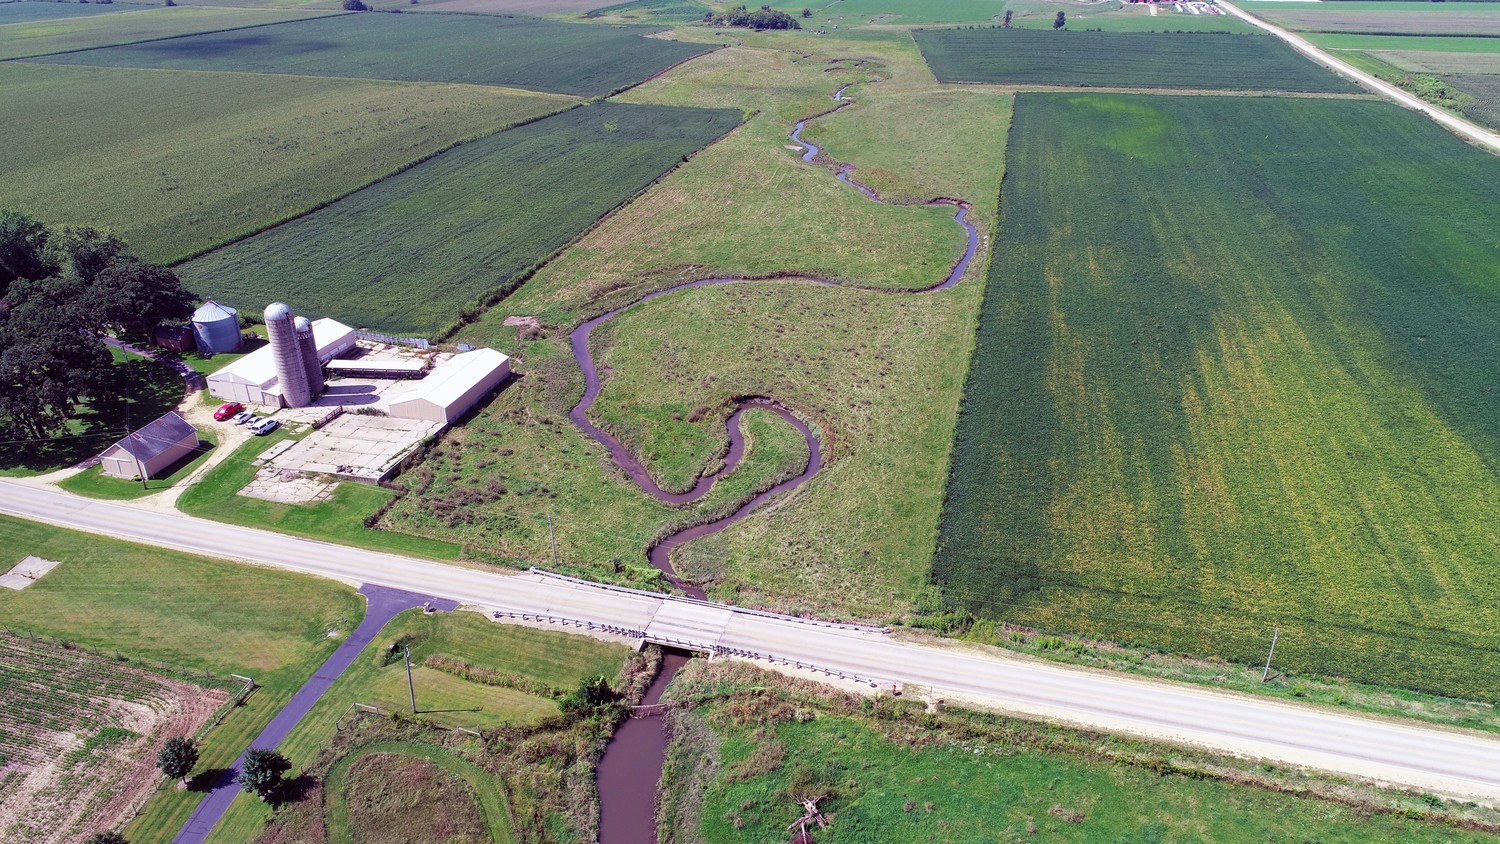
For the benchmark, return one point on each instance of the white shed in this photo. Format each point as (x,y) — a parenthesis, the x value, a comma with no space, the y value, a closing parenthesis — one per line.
(452,387)
(152,449)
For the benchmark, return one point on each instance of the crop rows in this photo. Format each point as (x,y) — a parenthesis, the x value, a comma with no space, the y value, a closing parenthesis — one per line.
(406,254)
(531,53)
(1121,60)
(1245,388)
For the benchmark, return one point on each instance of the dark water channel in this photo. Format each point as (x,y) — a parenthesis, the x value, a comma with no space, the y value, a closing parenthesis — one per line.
(630,770)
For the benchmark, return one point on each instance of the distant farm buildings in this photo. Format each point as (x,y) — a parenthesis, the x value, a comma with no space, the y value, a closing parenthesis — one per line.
(150,451)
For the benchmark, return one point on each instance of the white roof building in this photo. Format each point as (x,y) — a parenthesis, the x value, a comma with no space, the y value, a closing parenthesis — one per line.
(452,387)
(252,378)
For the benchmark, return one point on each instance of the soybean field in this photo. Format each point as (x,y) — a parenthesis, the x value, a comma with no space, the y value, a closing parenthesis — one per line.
(540,55)
(1227,382)
(142,23)
(405,255)
(1121,60)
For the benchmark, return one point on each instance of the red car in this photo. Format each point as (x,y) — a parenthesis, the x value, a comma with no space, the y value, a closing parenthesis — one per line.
(227,410)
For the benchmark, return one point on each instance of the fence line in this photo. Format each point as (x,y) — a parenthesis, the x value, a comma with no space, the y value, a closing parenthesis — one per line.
(414,342)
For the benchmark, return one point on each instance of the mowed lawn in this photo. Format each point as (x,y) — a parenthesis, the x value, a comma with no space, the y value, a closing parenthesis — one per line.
(1228,382)
(540,55)
(1122,60)
(407,254)
(178,162)
(65,34)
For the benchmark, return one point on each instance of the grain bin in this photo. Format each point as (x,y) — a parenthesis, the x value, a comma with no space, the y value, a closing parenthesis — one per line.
(308,345)
(216,327)
(286,355)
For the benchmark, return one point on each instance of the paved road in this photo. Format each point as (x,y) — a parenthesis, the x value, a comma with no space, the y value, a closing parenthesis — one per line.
(1472,132)
(1394,752)
(384,604)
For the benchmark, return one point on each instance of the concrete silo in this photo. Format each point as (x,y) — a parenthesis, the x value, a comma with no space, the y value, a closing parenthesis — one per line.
(286,354)
(216,328)
(309,348)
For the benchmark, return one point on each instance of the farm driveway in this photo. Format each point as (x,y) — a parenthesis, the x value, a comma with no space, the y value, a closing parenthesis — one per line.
(383,605)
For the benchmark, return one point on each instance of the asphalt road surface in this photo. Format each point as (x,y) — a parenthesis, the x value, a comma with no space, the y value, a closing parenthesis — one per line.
(1388,751)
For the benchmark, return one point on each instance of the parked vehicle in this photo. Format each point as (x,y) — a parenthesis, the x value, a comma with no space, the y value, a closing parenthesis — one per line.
(227,410)
(244,417)
(264,426)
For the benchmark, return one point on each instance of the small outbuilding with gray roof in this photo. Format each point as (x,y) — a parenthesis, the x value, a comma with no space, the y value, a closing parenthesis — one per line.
(150,451)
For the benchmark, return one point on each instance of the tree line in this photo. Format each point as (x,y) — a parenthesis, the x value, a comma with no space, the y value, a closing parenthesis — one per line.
(763,18)
(61,292)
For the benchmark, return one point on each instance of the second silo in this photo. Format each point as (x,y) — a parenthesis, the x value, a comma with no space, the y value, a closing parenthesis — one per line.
(286,354)
(216,328)
(308,345)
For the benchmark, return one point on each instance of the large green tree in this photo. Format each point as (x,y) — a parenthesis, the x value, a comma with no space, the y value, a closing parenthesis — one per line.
(60,292)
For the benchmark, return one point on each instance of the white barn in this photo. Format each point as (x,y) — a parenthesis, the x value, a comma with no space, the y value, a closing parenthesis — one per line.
(252,378)
(452,387)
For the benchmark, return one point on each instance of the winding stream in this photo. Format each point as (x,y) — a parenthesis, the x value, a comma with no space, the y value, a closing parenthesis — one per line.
(629,772)
(660,552)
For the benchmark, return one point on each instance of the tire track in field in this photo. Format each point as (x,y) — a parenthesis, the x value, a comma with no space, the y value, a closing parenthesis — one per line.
(660,551)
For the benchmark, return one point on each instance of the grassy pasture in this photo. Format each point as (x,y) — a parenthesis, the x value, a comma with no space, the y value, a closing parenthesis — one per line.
(531,53)
(405,255)
(1222,393)
(26,12)
(738,758)
(399,792)
(1121,60)
(878,371)
(665,11)
(849,13)
(64,35)
(178,162)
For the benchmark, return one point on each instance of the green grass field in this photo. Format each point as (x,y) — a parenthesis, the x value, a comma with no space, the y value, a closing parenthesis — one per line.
(407,254)
(1396,18)
(68,34)
(1217,396)
(849,13)
(523,655)
(1121,60)
(26,12)
(858,539)
(339,519)
(736,766)
(185,611)
(1404,43)
(178,162)
(531,53)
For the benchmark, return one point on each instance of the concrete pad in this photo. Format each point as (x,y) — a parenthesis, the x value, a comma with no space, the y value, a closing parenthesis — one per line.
(356,446)
(286,487)
(26,572)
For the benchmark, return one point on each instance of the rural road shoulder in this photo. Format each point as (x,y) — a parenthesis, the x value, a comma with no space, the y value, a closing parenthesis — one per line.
(1476,134)
(1406,754)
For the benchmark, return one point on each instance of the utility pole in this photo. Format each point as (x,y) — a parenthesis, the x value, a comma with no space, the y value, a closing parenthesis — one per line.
(1267,673)
(406,650)
(552,536)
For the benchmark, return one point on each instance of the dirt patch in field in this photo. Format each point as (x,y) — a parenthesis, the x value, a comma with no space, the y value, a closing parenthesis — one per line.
(399,798)
(78,748)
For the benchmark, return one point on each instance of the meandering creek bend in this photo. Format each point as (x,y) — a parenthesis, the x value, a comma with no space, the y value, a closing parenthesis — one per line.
(630,770)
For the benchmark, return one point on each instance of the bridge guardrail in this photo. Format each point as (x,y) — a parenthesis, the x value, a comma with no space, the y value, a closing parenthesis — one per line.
(841,625)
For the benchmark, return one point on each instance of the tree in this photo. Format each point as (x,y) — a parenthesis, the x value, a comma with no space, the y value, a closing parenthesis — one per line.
(806,12)
(263,771)
(590,694)
(355,6)
(177,757)
(1005,24)
(136,297)
(110,837)
(23,247)
(1061,21)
